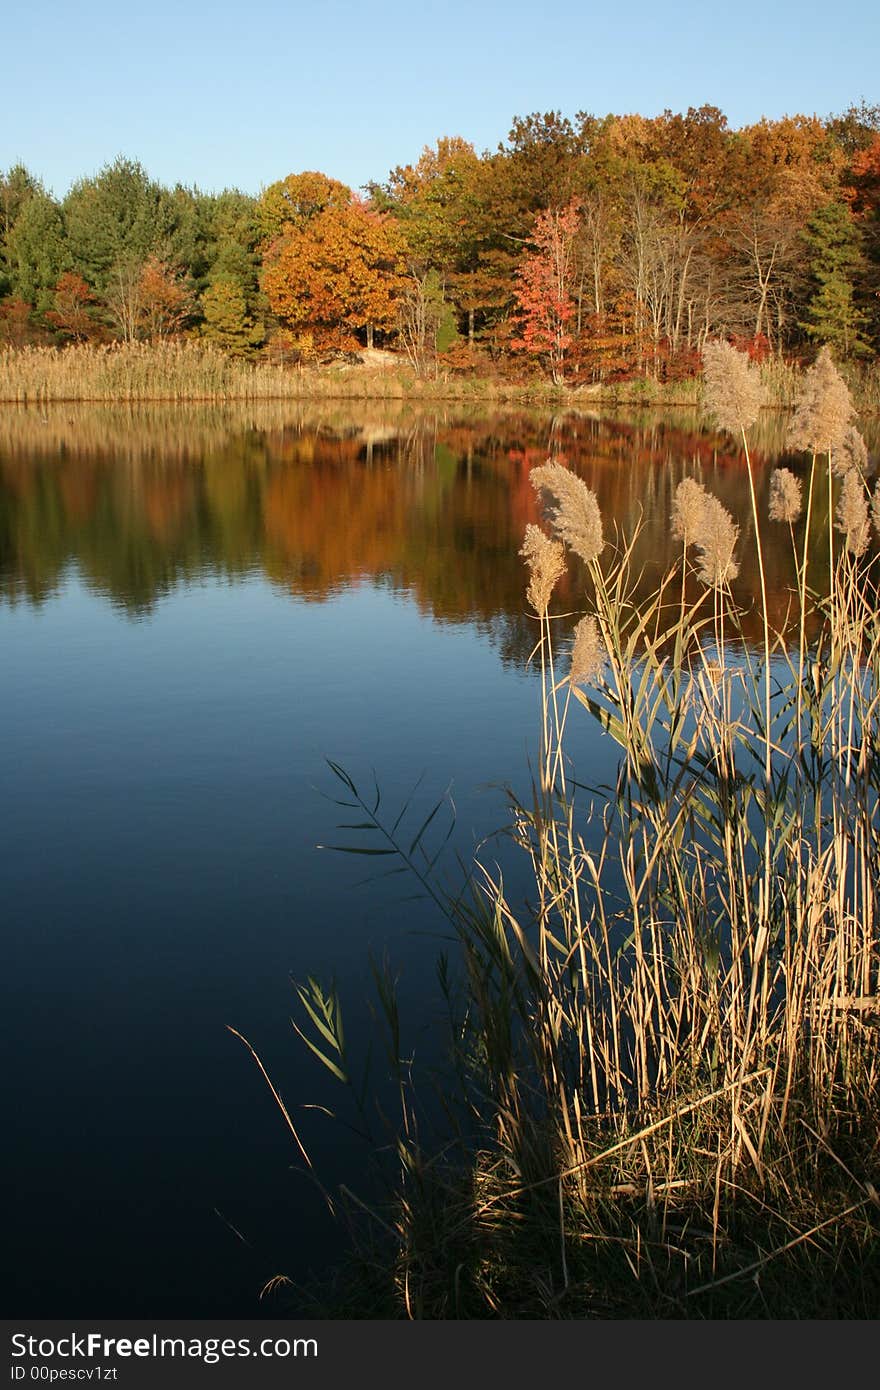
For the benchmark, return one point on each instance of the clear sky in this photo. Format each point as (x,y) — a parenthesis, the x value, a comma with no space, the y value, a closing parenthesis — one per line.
(237,95)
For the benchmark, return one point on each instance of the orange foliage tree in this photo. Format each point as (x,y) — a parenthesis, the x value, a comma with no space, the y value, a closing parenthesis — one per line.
(165,301)
(72,315)
(292,202)
(338,275)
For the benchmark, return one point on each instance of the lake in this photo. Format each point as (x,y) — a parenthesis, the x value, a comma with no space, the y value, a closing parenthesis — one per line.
(198,608)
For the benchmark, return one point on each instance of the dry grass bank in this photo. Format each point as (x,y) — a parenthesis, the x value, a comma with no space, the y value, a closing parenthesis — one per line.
(195,371)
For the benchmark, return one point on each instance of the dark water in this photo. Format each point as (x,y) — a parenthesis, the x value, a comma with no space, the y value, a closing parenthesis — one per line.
(197,609)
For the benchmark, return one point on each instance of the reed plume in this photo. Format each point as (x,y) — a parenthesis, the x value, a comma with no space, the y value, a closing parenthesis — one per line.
(571,509)
(852,514)
(852,452)
(825,411)
(785,496)
(546,561)
(733,391)
(715,538)
(875,508)
(687,510)
(587,653)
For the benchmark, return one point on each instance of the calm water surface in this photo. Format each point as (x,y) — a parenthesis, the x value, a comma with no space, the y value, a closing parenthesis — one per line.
(197,608)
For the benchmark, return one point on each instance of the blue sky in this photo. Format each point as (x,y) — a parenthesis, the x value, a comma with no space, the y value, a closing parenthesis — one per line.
(221,94)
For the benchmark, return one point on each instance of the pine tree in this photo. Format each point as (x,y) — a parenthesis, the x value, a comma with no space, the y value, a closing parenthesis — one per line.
(227,320)
(835,258)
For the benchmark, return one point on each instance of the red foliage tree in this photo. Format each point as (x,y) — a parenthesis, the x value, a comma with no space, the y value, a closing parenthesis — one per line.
(544,290)
(15,321)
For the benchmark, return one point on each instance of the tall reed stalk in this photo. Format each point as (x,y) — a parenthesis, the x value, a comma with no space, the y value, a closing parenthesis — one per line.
(668,1058)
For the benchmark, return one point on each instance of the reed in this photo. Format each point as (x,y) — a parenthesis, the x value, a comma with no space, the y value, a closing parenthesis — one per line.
(161,371)
(662,1090)
(194,370)
(667,1064)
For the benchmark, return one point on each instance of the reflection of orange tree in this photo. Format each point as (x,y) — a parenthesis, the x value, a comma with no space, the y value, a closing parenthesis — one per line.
(408,523)
(327,525)
(78,486)
(168,499)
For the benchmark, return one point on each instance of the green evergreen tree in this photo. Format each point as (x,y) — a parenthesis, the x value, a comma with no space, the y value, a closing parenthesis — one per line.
(183,232)
(119,217)
(17,187)
(228,320)
(36,251)
(835,259)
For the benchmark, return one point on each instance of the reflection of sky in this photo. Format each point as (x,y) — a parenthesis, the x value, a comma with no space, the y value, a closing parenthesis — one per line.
(161,876)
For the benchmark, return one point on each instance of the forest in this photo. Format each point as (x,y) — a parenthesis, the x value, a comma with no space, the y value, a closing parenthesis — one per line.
(587,250)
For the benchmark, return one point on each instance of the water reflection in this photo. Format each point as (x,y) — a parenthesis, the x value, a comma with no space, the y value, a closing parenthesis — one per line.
(321,498)
(167,780)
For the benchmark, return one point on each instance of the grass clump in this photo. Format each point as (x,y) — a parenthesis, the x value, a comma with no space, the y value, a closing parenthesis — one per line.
(662,1095)
(169,370)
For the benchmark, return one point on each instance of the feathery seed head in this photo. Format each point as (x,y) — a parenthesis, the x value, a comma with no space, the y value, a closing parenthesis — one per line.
(733,390)
(851,517)
(875,508)
(785,496)
(715,539)
(546,561)
(571,509)
(687,509)
(824,411)
(587,653)
(851,452)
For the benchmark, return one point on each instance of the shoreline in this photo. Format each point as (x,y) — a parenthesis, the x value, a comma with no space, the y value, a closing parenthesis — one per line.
(189,371)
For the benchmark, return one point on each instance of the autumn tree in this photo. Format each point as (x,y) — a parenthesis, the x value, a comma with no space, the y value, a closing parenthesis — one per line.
(856,128)
(862,188)
(438,206)
(15,321)
(542,165)
(165,300)
(699,146)
(863,196)
(658,253)
(469,218)
(786,171)
(288,205)
(73,315)
(544,290)
(337,276)
(433,201)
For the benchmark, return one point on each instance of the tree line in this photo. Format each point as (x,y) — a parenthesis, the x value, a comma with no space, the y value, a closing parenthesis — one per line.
(594,249)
